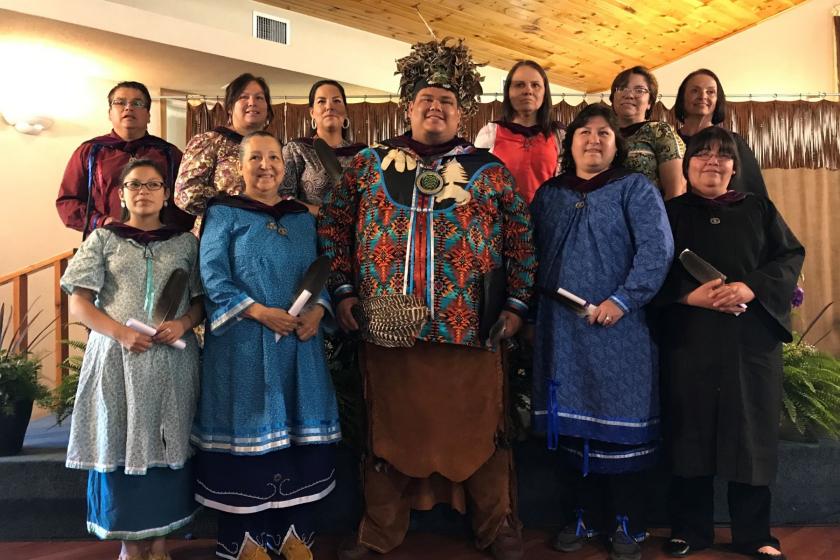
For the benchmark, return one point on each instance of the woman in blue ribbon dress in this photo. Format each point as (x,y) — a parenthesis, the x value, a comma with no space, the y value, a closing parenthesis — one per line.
(267,413)
(137,395)
(601,233)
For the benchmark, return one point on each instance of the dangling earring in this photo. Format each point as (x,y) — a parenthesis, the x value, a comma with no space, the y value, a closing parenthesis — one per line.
(314,126)
(346,123)
(165,203)
(122,203)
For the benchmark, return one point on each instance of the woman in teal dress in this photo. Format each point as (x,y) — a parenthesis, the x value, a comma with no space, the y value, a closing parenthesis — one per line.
(267,417)
(137,394)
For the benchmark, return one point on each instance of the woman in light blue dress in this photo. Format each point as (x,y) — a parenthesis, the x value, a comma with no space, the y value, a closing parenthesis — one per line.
(137,394)
(268,417)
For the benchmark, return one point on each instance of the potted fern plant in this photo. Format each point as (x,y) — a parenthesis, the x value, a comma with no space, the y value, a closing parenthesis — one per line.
(19,381)
(811,389)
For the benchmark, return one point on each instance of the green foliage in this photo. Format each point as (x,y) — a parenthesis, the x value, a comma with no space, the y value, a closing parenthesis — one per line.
(19,368)
(19,381)
(811,389)
(63,397)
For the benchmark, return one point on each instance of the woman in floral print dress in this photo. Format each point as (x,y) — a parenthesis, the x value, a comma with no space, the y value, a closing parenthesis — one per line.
(211,160)
(137,395)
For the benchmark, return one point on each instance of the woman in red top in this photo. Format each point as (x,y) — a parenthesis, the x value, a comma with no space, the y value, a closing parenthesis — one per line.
(525,138)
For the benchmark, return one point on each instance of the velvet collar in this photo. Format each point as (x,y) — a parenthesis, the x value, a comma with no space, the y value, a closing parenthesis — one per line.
(229,133)
(141,236)
(526,131)
(571,181)
(425,150)
(632,129)
(346,149)
(728,198)
(113,140)
(286,206)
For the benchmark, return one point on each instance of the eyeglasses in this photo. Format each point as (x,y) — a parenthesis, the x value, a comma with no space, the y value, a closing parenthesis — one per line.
(122,103)
(638,90)
(137,185)
(706,155)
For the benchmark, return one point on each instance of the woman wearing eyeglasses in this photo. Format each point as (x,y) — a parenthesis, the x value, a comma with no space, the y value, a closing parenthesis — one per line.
(655,149)
(137,394)
(721,350)
(701,103)
(211,160)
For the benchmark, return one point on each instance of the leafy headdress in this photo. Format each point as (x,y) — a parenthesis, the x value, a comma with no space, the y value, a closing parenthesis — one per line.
(440,64)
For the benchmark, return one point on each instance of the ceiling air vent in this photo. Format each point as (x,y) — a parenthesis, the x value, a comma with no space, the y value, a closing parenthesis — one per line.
(271,28)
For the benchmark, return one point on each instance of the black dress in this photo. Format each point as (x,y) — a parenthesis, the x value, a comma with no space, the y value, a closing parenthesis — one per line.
(748,179)
(721,375)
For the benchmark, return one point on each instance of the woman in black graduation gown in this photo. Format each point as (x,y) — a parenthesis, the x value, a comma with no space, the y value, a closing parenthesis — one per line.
(701,103)
(721,363)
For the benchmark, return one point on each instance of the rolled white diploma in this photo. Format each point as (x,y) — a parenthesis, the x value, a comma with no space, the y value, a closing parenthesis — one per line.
(296,308)
(577,299)
(143,328)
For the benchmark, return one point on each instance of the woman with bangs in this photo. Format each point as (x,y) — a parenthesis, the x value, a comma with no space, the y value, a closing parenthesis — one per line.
(721,350)
(601,233)
(137,393)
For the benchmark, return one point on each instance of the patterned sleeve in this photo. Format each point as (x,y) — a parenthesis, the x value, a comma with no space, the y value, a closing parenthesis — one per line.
(294,167)
(337,222)
(653,244)
(196,288)
(87,267)
(518,246)
(667,144)
(224,298)
(194,186)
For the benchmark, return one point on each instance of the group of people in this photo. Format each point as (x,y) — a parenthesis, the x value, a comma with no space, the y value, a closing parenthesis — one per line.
(439,250)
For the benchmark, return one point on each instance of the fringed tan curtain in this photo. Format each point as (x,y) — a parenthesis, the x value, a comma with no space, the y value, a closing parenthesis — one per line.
(783,134)
(797,144)
(809,200)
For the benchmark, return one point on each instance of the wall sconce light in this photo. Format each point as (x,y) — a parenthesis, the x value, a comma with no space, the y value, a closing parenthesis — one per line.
(28,124)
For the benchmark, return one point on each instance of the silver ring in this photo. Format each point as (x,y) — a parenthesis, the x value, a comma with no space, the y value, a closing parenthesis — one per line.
(608,319)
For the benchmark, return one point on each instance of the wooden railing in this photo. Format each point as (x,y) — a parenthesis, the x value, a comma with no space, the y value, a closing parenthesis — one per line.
(20,303)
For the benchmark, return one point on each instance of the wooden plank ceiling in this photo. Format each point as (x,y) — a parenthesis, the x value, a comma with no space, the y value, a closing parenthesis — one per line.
(582,44)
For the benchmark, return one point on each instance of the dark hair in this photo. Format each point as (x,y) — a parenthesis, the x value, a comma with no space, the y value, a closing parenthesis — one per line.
(706,139)
(238,85)
(144,91)
(567,164)
(134,164)
(624,77)
(257,133)
(544,120)
(719,113)
(345,132)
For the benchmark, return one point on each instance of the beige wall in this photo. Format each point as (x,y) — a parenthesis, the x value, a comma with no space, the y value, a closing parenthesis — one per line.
(791,53)
(31,167)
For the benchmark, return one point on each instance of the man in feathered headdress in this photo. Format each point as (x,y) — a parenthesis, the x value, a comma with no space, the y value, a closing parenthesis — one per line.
(432,256)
